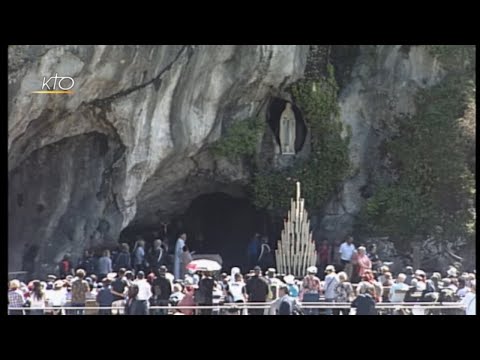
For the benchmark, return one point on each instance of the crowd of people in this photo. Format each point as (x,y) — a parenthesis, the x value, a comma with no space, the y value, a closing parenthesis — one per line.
(139,283)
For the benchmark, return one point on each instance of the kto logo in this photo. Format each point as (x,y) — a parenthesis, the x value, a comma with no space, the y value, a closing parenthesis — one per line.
(57,85)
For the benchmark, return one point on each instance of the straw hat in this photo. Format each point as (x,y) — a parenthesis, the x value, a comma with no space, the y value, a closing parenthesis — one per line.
(111,276)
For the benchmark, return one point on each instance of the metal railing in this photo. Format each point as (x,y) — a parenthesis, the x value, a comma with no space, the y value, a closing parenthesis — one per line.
(268,305)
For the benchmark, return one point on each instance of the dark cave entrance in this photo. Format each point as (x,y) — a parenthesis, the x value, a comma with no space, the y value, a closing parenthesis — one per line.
(215,223)
(220,223)
(275,109)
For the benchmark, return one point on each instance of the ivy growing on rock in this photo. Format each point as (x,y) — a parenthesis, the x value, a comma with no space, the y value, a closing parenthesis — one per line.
(455,58)
(328,163)
(435,192)
(240,140)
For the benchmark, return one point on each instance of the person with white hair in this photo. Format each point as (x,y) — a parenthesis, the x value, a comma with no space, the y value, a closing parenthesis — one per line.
(330,283)
(398,289)
(177,295)
(383,270)
(361,261)
(311,287)
(452,271)
(15,298)
(344,293)
(190,276)
(365,303)
(432,285)
(469,300)
(80,289)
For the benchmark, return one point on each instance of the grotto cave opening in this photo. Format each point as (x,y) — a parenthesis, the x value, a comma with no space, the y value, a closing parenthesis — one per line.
(275,110)
(215,223)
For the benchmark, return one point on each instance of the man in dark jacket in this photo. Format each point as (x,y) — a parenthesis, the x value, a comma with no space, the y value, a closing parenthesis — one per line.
(204,293)
(123,258)
(161,289)
(133,305)
(118,287)
(87,263)
(365,303)
(156,255)
(257,290)
(105,297)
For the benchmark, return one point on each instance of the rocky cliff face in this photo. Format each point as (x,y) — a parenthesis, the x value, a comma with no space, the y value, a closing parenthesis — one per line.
(129,146)
(380,89)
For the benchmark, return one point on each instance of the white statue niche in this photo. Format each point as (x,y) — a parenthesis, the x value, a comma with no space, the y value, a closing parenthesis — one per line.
(287,131)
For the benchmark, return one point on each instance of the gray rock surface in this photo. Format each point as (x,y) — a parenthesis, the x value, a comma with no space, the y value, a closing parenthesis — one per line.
(130,146)
(382,86)
(383,83)
(129,143)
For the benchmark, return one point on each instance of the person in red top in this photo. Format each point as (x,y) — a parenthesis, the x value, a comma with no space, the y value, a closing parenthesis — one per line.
(324,256)
(311,287)
(188,300)
(361,263)
(367,280)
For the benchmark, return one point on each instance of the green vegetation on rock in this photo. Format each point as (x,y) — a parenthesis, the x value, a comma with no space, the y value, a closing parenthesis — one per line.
(455,58)
(240,140)
(434,156)
(328,163)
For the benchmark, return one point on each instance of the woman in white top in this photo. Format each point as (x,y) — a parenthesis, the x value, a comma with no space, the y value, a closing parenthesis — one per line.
(237,291)
(470,300)
(59,294)
(58,297)
(37,299)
